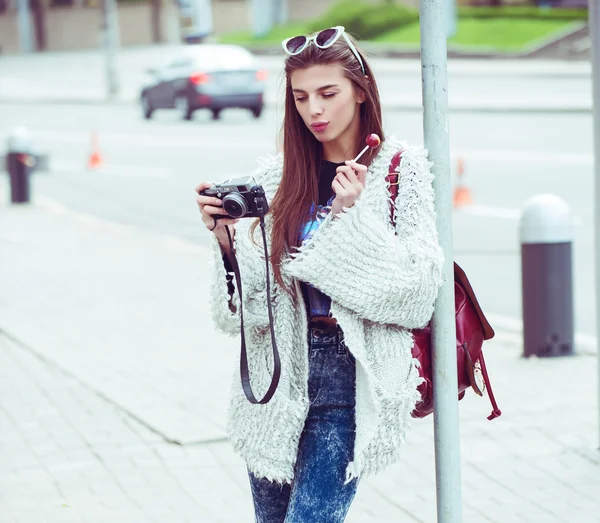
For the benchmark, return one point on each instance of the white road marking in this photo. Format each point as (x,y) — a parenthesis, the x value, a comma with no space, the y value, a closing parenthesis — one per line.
(206,139)
(61,166)
(502,213)
(200,141)
(534,157)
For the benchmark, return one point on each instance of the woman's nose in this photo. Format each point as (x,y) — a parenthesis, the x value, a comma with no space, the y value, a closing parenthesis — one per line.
(315,108)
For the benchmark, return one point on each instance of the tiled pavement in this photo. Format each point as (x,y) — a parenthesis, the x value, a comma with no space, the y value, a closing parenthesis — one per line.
(113,387)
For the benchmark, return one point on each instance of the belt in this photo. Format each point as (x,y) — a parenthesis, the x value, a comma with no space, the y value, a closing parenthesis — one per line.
(326,333)
(324,322)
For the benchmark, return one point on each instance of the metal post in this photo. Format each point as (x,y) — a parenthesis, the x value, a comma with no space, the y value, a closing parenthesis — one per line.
(281,12)
(19,164)
(451,20)
(546,234)
(204,18)
(111,42)
(262,16)
(435,125)
(24,22)
(594,19)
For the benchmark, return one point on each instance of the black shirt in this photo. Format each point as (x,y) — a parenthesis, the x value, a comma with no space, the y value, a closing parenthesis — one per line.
(317,303)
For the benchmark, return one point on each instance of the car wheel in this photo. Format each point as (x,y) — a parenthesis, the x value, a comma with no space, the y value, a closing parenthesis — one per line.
(183,106)
(147,108)
(257,111)
(216,114)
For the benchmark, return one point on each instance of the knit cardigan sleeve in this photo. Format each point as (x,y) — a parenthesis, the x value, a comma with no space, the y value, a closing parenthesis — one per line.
(363,264)
(225,304)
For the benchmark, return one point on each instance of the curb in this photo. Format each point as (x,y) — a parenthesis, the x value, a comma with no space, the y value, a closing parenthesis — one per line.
(375,50)
(406,106)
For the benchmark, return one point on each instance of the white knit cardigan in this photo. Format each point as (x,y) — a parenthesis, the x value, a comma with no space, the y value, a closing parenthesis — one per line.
(381,282)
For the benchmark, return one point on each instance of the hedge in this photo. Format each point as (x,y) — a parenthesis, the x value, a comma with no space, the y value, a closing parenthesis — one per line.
(364,20)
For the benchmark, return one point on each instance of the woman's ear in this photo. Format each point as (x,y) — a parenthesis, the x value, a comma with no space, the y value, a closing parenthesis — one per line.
(360,96)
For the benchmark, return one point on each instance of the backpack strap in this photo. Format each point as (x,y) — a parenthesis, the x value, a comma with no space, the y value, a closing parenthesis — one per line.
(393,180)
(496,412)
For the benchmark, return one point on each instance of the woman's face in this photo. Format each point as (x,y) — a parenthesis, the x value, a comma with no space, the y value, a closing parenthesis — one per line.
(327,102)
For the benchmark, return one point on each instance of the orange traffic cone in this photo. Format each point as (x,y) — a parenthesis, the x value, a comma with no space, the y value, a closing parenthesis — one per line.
(95,159)
(462,194)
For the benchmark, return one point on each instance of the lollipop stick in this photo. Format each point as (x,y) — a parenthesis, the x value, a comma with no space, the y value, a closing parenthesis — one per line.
(361,153)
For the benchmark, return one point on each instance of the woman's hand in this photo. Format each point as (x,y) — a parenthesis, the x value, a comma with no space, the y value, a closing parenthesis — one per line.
(348,183)
(209,206)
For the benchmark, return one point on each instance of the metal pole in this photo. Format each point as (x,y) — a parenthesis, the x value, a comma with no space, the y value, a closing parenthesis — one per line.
(451,21)
(111,40)
(204,18)
(262,16)
(594,19)
(24,23)
(435,126)
(281,12)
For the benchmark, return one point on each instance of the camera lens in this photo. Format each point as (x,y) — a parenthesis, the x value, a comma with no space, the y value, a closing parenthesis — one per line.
(235,205)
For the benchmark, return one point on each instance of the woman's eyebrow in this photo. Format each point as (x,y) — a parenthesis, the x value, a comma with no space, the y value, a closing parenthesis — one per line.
(325,87)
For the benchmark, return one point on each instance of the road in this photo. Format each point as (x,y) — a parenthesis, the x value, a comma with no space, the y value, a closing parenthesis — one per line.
(527,85)
(152,167)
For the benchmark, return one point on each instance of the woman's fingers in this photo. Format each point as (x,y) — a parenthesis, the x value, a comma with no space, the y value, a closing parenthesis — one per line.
(203,186)
(339,190)
(348,184)
(359,169)
(208,200)
(211,209)
(350,174)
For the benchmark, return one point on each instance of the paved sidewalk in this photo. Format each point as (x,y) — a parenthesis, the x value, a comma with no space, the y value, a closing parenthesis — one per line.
(113,387)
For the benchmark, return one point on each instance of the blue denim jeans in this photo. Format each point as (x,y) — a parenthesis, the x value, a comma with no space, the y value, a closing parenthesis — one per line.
(318,493)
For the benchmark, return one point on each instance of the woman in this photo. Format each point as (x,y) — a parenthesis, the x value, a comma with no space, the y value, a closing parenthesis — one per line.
(347,288)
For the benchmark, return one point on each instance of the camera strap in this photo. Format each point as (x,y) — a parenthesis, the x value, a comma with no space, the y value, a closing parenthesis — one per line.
(244,369)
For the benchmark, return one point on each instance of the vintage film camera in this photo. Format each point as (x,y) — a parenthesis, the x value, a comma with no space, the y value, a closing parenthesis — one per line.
(241,197)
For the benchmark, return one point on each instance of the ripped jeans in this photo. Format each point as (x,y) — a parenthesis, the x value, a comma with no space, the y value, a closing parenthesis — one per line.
(318,493)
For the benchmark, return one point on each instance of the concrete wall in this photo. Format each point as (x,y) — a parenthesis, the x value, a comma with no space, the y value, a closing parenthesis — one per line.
(80,27)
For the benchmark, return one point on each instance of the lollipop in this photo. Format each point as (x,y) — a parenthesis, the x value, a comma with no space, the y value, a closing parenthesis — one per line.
(372,141)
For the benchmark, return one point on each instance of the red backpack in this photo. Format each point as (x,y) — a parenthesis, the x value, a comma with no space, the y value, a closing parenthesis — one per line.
(472,328)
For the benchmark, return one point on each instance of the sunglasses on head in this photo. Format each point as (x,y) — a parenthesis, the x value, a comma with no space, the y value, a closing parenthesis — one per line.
(323,40)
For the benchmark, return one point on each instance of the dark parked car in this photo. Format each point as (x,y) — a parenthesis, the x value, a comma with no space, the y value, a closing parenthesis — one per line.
(206,76)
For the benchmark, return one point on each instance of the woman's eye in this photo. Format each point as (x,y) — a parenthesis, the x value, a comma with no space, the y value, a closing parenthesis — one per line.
(328,95)
(300,99)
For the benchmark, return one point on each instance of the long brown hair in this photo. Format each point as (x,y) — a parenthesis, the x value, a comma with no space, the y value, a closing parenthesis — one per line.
(303,153)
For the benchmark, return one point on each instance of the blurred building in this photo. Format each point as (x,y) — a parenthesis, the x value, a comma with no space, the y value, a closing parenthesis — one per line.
(76,24)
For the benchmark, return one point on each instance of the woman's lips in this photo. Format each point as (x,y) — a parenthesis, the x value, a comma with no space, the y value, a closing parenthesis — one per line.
(319,127)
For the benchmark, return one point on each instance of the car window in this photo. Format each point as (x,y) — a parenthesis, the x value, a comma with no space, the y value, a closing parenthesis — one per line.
(215,56)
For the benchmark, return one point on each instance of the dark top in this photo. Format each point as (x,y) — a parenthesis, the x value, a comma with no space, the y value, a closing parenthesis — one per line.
(317,303)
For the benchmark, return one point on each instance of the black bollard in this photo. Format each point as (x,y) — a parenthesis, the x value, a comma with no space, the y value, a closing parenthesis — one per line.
(19,164)
(19,169)
(547,277)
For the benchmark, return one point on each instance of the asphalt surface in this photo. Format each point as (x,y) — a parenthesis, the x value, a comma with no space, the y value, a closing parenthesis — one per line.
(152,166)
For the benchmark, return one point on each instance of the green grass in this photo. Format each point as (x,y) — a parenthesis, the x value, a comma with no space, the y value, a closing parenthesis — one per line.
(500,33)
(504,34)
